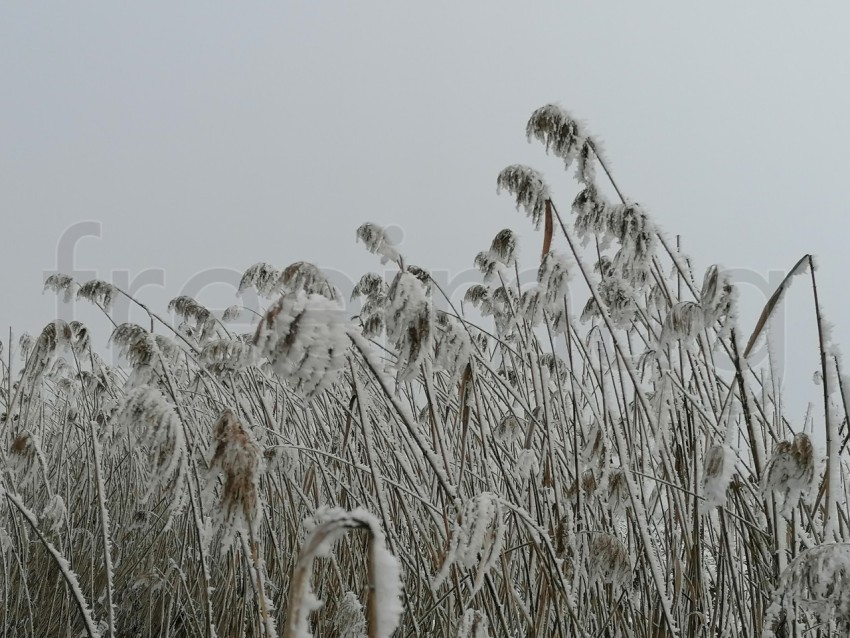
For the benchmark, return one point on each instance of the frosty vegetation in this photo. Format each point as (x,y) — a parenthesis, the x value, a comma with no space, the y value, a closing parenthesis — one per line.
(591,455)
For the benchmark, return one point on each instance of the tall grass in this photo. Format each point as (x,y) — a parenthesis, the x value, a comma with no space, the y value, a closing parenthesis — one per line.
(589,459)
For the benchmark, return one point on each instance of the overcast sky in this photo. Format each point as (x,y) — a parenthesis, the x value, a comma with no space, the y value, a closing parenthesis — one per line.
(205,136)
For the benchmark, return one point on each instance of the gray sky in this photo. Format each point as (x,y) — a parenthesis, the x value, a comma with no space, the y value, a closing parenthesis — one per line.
(206,135)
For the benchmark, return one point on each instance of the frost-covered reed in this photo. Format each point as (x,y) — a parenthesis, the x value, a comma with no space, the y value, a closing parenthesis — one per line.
(593,454)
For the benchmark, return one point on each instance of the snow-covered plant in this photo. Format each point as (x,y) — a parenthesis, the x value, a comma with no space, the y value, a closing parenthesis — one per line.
(553,277)
(64,284)
(454,347)
(502,253)
(373,289)
(236,459)
(718,469)
(627,223)
(477,540)
(529,189)
(306,277)
(262,276)
(54,513)
(560,478)
(378,242)
(409,315)
(531,306)
(816,582)
(527,465)
(632,227)
(473,625)
(23,458)
(618,297)
(326,527)
(548,298)
(100,293)
(790,471)
(559,132)
(198,319)
(717,297)
(509,429)
(92,628)
(228,354)
(498,302)
(303,337)
(40,355)
(79,338)
(608,561)
(592,212)
(140,347)
(617,499)
(145,421)
(350,619)
(684,322)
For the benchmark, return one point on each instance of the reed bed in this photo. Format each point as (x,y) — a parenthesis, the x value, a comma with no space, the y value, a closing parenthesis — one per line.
(593,454)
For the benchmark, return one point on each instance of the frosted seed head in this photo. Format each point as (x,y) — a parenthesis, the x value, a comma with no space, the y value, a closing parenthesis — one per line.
(231,313)
(262,276)
(609,562)
(144,418)
(369,285)
(528,188)
(618,492)
(453,350)
(350,620)
(306,277)
(560,133)
(718,469)
(409,316)
(303,337)
(199,319)
(504,246)
(228,355)
(618,297)
(477,539)
(59,283)
(684,322)
(54,513)
(553,277)
(717,297)
(509,429)
(97,292)
(817,581)
(378,242)
(473,625)
(791,469)
(237,457)
(23,457)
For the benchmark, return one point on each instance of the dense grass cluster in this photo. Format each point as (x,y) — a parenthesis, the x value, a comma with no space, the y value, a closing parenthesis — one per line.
(589,455)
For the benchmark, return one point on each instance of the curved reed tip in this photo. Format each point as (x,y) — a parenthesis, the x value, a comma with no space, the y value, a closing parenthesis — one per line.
(528,188)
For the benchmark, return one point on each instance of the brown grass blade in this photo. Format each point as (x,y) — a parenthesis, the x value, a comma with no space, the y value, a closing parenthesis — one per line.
(774,300)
